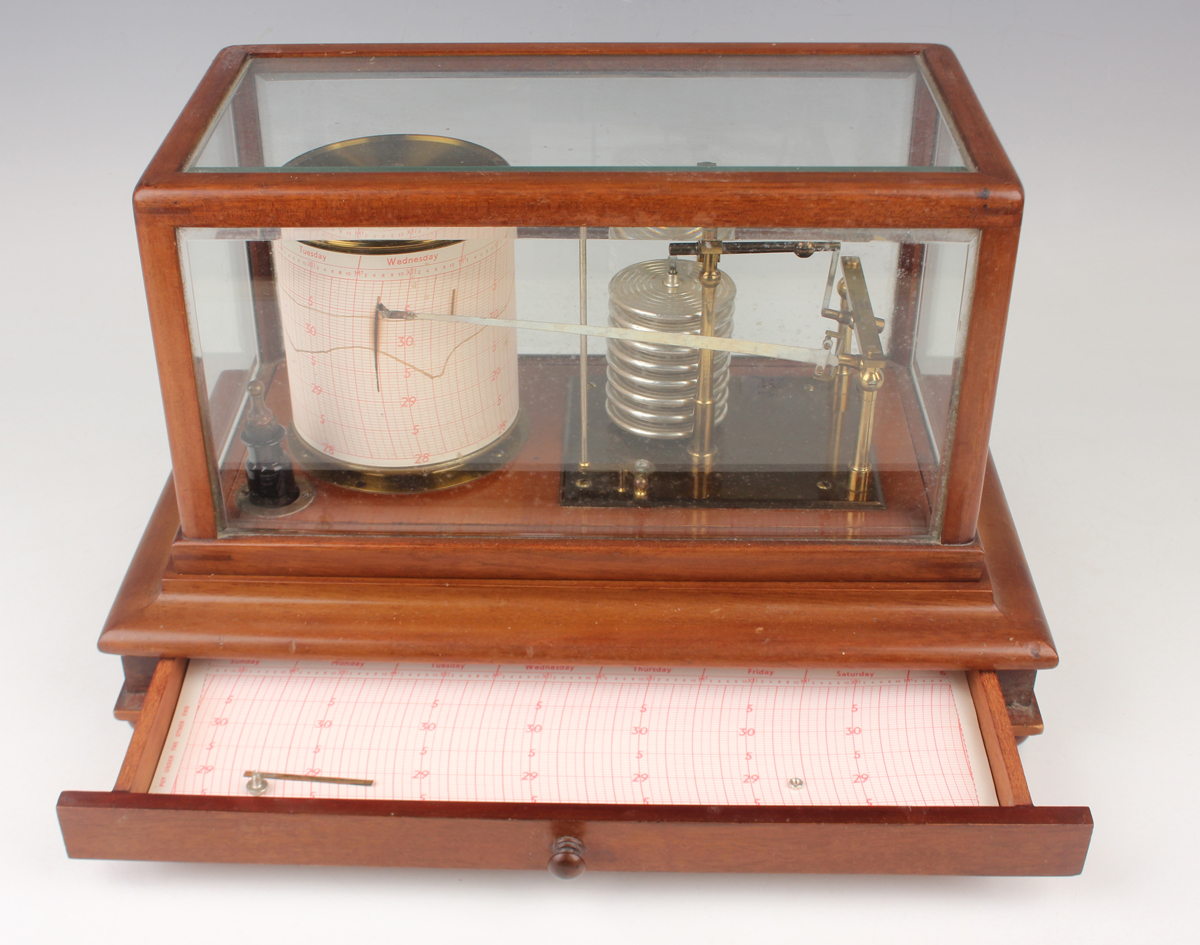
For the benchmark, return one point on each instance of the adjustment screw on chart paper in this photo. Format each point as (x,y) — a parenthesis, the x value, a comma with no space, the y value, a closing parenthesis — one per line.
(796,784)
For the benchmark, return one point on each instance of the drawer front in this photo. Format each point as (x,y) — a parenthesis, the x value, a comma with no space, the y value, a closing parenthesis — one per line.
(1019,841)
(1015,838)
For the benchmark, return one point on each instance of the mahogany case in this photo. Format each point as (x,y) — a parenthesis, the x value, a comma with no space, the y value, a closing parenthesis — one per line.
(932,577)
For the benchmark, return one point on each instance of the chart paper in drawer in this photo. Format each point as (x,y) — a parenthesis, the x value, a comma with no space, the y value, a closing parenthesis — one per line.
(578,734)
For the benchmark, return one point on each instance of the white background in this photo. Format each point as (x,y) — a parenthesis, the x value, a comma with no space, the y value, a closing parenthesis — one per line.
(1095,437)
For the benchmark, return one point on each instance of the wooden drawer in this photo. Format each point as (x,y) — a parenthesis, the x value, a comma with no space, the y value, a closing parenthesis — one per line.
(1014,838)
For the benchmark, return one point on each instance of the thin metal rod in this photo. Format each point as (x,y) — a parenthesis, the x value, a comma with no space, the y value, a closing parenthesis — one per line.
(583,351)
(361,782)
(832,277)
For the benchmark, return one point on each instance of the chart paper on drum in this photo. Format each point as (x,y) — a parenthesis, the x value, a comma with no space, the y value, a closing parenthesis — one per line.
(399,393)
(551,733)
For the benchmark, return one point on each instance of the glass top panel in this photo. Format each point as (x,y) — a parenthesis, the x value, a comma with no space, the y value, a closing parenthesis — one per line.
(798,113)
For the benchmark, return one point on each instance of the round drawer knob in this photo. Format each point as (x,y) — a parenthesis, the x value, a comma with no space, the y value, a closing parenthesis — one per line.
(566,858)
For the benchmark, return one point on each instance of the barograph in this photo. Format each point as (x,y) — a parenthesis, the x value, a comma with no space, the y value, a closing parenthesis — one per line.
(640,359)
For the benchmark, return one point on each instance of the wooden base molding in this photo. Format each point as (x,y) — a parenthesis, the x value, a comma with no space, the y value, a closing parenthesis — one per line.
(995,622)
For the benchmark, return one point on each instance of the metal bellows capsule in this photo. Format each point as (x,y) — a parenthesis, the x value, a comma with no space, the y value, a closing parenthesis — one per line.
(651,387)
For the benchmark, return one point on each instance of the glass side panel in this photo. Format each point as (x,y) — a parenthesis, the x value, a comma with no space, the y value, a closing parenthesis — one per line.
(749,384)
(669,112)
(949,278)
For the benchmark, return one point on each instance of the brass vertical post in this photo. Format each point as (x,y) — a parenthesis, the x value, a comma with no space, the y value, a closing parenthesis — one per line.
(855,319)
(702,449)
(869,382)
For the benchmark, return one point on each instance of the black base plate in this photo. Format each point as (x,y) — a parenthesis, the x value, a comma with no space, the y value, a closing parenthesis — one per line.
(771,454)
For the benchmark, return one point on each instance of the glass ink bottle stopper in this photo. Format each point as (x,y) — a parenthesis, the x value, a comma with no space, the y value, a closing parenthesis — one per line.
(270,477)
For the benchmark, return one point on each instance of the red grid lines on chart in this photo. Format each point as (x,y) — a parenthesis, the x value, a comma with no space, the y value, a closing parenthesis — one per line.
(398,392)
(623,735)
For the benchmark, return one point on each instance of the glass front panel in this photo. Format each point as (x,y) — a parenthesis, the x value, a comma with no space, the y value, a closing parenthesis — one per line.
(679,112)
(599,383)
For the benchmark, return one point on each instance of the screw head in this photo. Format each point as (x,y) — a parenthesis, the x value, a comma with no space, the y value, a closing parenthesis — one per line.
(796,783)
